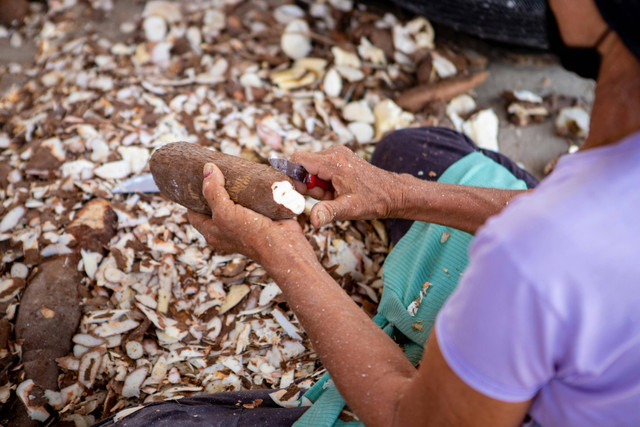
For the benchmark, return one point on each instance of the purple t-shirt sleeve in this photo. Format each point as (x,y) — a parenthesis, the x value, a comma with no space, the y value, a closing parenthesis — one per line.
(496,332)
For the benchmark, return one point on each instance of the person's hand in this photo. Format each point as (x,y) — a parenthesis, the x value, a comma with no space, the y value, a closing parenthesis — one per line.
(361,190)
(233,228)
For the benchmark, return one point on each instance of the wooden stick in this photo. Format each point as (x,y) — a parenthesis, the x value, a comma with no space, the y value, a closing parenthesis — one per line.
(416,98)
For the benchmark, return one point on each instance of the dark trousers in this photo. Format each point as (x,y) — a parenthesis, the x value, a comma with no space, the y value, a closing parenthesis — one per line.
(422,152)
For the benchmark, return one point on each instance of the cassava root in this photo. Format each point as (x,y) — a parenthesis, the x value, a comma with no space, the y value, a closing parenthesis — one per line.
(177,170)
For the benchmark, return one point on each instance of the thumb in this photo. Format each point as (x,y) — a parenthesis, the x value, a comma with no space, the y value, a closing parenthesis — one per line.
(213,186)
(327,211)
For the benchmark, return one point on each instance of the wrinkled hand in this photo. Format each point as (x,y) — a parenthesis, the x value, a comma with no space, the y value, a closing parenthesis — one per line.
(233,228)
(361,190)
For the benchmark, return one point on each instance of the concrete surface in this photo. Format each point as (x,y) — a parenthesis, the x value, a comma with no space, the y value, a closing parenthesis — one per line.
(533,145)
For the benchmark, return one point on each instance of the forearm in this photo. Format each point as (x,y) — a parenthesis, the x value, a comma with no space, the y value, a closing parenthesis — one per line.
(368,368)
(459,206)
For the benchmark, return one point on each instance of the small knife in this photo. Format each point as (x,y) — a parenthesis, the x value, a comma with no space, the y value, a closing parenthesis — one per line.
(142,183)
(298,172)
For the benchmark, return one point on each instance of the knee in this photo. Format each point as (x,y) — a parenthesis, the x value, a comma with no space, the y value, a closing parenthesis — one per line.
(394,144)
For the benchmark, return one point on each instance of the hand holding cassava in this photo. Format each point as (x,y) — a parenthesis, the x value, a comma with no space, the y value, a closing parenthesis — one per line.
(361,190)
(233,228)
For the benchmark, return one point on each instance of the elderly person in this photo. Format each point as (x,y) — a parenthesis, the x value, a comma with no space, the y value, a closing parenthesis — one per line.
(543,325)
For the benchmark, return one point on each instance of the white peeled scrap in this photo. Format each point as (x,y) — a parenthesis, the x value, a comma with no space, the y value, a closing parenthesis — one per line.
(168,10)
(214,21)
(214,326)
(167,274)
(296,41)
(60,399)
(233,297)
(268,293)
(114,327)
(174,376)
(317,65)
(343,132)
(137,157)
(342,5)
(88,340)
(159,371)
(133,382)
(351,74)
(125,412)
(69,363)
(155,28)
(9,288)
(114,170)
(269,134)
(134,349)
(389,116)
(287,13)
(422,31)
(5,141)
(444,68)
(171,335)
(194,37)
(150,346)
(482,128)
(90,366)
(342,57)
(344,258)
(161,54)
(460,106)
(288,327)
(37,413)
(527,96)
(285,195)
(358,111)
(332,83)
(293,401)
(402,40)
(573,121)
(78,169)
(232,362)
(287,378)
(362,132)
(90,261)
(371,53)
(55,146)
(12,218)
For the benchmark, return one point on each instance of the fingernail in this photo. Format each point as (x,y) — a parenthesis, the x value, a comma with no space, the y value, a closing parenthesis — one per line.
(321,218)
(208,169)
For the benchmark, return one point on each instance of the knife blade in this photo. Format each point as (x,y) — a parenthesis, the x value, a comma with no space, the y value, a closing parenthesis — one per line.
(142,183)
(299,173)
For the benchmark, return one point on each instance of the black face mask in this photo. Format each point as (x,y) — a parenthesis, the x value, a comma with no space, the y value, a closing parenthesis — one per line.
(584,61)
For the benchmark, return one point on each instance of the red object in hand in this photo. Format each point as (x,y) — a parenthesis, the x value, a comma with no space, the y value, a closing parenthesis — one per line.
(298,172)
(314,181)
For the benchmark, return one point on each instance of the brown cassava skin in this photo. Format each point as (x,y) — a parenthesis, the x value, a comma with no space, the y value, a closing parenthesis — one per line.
(177,170)
(53,287)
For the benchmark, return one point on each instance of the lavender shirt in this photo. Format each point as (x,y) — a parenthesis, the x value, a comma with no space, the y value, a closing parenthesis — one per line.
(549,306)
